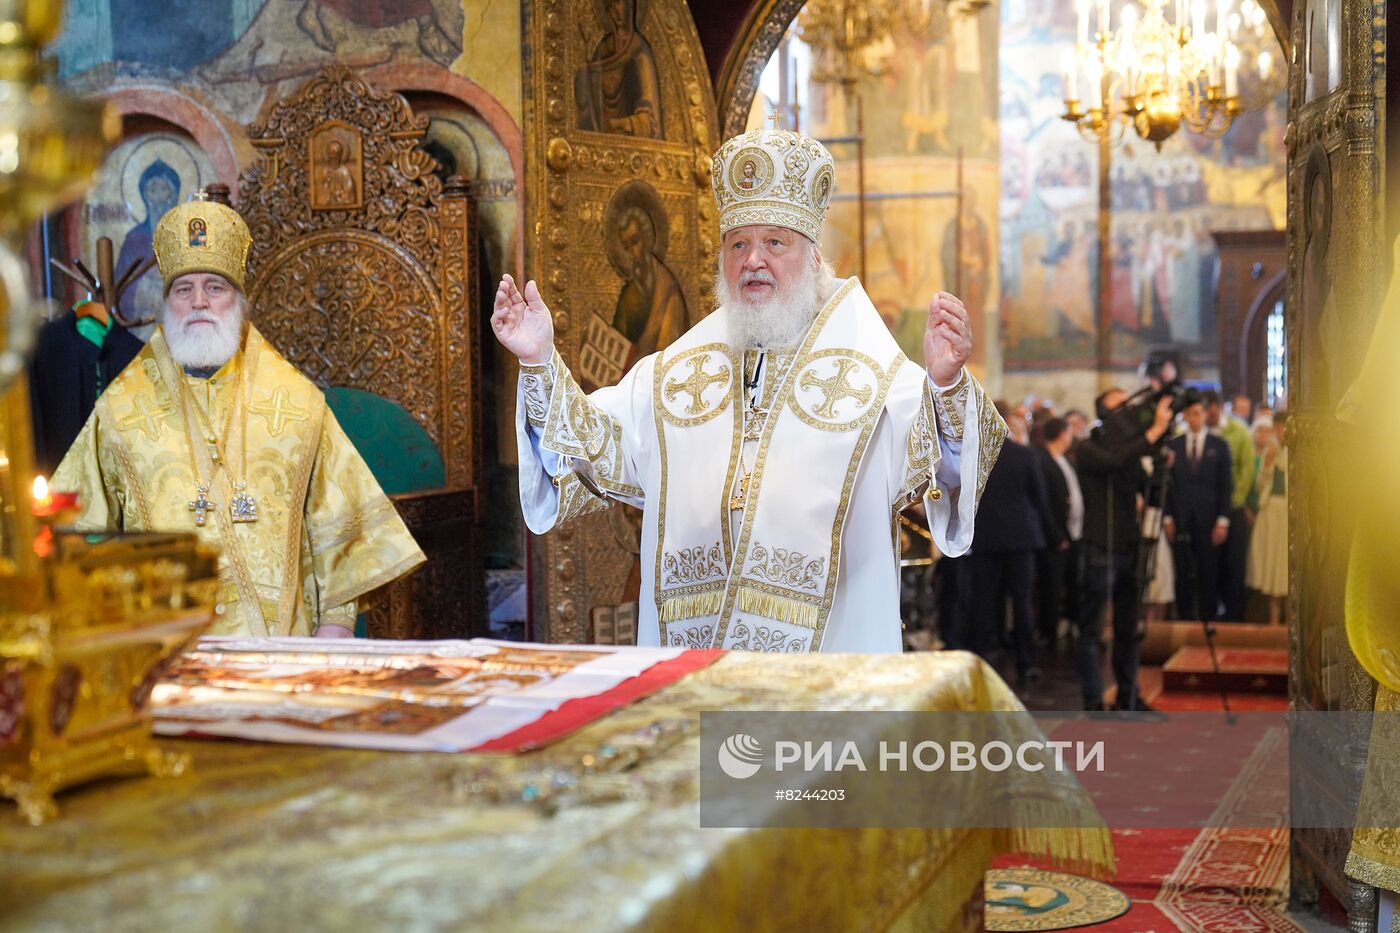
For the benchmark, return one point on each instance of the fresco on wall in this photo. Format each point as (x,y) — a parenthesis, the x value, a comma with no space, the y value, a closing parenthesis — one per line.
(236,47)
(1165,206)
(139,181)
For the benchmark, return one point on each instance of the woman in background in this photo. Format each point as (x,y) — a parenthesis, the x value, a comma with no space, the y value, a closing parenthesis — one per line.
(1267,568)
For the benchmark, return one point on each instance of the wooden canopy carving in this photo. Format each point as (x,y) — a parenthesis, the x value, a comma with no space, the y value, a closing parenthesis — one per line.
(361,269)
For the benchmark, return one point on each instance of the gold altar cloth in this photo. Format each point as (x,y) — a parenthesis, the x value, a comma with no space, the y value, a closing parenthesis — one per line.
(599,831)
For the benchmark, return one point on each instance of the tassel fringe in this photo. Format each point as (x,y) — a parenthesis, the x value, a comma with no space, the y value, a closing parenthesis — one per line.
(782,608)
(691,606)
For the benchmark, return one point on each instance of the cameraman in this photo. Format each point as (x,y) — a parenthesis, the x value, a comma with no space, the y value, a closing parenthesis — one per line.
(1111,476)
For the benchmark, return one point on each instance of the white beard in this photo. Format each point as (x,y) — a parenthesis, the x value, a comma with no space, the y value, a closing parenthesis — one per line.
(778,322)
(197,346)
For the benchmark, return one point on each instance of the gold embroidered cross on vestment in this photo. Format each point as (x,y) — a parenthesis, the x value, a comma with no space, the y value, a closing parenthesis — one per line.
(835,389)
(695,385)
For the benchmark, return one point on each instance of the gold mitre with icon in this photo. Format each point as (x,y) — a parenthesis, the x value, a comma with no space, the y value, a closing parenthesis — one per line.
(202,236)
(774,176)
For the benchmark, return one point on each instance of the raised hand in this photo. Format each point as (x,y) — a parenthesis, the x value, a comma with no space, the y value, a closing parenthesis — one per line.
(522,322)
(947,338)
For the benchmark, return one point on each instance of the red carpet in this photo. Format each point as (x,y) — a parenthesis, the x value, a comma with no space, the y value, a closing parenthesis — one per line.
(1182,701)
(1213,880)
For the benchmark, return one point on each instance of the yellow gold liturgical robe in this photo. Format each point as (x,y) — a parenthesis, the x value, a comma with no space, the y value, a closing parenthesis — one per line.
(253,462)
(1373,593)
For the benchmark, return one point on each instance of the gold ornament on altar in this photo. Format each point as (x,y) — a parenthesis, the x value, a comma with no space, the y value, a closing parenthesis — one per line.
(773,177)
(86,623)
(1155,75)
(202,236)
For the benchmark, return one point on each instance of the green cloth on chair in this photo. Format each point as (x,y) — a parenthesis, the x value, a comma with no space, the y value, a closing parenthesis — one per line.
(399,452)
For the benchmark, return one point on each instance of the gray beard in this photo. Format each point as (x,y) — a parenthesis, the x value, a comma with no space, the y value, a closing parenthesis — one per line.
(777,323)
(203,347)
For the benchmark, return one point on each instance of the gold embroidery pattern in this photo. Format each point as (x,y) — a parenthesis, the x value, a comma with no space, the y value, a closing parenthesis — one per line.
(836,389)
(696,636)
(950,404)
(351,527)
(736,451)
(786,567)
(134,486)
(921,453)
(844,504)
(286,610)
(764,638)
(278,411)
(693,565)
(684,381)
(575,499)
(693,601)
(588,427)
(536,387)
(991,433)
(148,416)
(575,427)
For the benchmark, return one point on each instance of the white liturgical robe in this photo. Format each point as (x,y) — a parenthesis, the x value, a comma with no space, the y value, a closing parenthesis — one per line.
(769,483)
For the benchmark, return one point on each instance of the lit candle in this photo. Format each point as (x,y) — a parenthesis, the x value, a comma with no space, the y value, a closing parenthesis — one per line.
(1222,12)
(1232,66)
(1095,87)
(49,504)
(1103,17)
(1266,63)
(1234,24)
(1082,8)
(1198,18)
(1071,76)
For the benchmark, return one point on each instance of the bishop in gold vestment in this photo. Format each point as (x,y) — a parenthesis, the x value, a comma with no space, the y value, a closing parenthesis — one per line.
(210,430)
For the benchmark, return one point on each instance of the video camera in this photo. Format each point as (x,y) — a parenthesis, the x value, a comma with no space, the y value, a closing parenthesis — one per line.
(1133,416)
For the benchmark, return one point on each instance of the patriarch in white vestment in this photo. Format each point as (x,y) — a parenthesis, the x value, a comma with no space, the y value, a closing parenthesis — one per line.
(771,446)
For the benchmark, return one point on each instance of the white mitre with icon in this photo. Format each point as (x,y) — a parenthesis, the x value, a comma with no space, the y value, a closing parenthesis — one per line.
(775,177)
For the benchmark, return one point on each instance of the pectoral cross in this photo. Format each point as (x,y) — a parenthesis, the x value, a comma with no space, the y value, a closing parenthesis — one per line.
(736,503)
(200,505)
(777,117)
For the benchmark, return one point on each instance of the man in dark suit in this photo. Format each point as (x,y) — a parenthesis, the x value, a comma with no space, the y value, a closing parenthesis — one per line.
(1198,513)
(1111,475)
(1012,523)
(1058,565)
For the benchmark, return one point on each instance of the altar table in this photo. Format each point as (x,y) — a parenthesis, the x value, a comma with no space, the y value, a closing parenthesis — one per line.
(599,831)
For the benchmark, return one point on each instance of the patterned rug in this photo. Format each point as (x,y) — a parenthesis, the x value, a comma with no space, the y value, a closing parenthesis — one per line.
(1213,880)
(1031,899)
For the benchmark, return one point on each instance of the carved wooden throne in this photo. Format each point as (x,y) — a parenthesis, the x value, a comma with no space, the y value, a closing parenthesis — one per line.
(362,273)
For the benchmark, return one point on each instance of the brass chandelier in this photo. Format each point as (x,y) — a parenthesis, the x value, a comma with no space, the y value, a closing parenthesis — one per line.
(851,39)
(1155,74)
